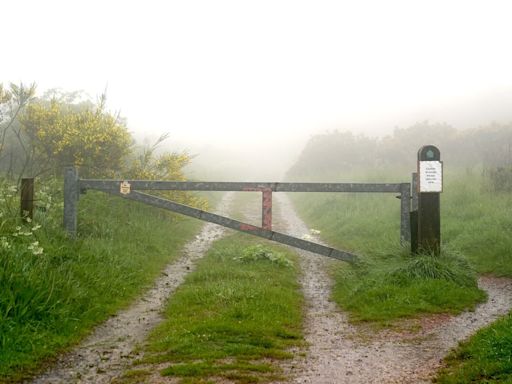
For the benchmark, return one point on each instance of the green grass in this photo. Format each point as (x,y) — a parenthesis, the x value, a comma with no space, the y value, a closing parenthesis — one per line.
(485,358)
(403,286)
(50,301)
(233,316)
(478,223)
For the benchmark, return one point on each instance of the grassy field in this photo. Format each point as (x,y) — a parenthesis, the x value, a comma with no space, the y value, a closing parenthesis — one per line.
(237,313)
(54,290)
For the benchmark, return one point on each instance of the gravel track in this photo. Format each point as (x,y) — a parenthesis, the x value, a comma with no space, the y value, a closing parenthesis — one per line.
(339,352)
(112,346)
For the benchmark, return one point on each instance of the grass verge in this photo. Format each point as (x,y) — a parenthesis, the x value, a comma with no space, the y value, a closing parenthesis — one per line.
(485,358)
(234,315)
(50,299)
(405,286)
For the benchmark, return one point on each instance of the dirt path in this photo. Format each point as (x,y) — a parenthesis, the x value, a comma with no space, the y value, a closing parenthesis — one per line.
(341,353)
(110,348)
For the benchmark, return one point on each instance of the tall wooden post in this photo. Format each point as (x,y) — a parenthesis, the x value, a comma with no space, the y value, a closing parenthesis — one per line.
(27,199)
(430,185)
(70,200)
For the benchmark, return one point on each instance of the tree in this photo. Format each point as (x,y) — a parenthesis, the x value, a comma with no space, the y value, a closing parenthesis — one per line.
(80,134)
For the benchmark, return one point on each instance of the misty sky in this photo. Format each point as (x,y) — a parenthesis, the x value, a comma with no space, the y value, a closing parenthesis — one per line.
(268,72)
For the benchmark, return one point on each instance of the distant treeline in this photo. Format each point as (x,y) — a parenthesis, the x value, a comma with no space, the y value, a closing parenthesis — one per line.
(335,152)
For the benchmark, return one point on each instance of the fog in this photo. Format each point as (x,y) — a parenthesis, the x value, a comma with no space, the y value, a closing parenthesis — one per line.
(243,85)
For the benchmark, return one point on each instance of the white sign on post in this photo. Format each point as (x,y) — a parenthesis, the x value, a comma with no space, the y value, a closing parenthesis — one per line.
(124,188)
(431,176)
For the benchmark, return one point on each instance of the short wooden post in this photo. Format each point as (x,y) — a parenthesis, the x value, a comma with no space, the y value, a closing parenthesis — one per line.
(27,199)
(70,200)
(430,185)
(405,208)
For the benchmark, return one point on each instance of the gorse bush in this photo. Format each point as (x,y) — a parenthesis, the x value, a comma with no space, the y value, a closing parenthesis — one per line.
(82,134)
(147,164)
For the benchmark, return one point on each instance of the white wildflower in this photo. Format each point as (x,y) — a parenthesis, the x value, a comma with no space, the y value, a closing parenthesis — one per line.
(36,227)
(307,237)
(34,244)
(37,251)
(314,231)
(4,243)
(35,248)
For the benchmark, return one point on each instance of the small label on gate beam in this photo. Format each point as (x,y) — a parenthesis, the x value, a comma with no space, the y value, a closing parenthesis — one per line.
(431,176)
(124,188)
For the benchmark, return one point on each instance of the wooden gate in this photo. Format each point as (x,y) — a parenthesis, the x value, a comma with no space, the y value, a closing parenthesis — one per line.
(131,189)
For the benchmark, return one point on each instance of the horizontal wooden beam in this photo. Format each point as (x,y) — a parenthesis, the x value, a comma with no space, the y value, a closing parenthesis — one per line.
(113,185)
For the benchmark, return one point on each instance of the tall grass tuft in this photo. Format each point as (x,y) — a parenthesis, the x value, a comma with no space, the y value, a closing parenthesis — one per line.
(427,266)
(382,290)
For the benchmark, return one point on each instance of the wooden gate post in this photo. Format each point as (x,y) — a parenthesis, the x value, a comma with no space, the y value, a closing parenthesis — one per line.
(405,208)
(414,213)
(430,185)
(70,200)
(27,198)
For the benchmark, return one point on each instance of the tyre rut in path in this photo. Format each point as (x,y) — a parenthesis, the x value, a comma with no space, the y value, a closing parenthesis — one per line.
(110,348)
(339,352)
